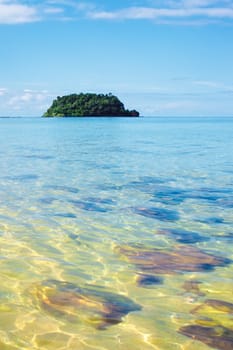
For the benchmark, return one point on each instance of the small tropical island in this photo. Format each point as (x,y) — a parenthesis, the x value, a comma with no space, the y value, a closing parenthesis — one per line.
(89,105)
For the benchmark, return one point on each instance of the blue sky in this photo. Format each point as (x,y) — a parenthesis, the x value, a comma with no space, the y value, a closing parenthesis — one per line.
(164,58)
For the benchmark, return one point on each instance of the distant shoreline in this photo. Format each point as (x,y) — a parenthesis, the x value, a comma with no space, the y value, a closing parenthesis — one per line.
(115,117)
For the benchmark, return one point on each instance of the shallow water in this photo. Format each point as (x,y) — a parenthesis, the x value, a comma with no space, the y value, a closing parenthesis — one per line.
(91,213)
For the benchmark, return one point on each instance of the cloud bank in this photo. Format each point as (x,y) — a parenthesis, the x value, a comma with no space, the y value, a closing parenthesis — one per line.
(167,11)
(34,102)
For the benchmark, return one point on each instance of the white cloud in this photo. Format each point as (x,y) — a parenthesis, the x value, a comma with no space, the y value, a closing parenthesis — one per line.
(3,91)
(177,107)
(205,3)
(80,5)
(174,105)
(28,97)
(15,13)
(21,11)
(26,102)
(188,12)
(190,3)
(213,86)
(206,83)
(157,13)
(53,10)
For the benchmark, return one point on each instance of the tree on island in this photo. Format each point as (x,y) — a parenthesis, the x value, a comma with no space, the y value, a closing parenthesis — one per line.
(88,105)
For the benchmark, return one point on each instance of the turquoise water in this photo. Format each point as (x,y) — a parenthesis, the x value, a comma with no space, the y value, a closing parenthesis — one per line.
(116,233)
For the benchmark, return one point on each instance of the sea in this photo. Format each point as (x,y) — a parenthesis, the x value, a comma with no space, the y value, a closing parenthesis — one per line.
(116,233)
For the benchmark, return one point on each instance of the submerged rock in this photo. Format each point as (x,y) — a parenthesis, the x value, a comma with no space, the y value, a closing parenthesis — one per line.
(96,200)
(148,280)
(183,236)
(212,220)
(211,327)
(39,156)
(23,177)
(157,213)
(184,258)
(192,286)
(217,337)
(88,206)
(63,188)
(169,195)
(227,202)
(47,200)
(65,215)
(93,305)
(218,305)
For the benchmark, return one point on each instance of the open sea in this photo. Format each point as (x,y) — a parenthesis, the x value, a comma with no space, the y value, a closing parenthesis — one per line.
(116,233)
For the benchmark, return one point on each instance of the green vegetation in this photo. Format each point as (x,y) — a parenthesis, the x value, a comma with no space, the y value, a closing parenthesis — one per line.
(88,105)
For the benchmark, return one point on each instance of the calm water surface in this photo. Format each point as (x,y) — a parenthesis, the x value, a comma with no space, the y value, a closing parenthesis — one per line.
(116,234)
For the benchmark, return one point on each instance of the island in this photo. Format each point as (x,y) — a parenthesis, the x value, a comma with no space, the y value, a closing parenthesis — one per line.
(89,105)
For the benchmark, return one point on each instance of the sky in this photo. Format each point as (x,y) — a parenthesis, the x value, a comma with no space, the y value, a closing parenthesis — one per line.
(163,58)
